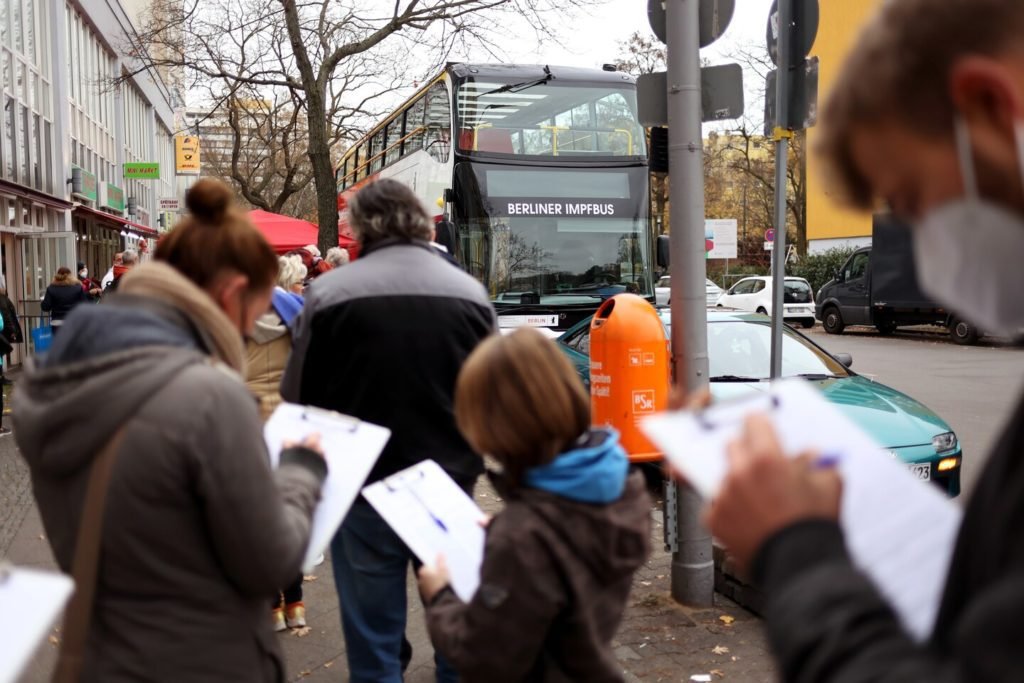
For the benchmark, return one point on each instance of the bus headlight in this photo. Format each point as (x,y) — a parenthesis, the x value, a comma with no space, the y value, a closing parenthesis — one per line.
(944,442)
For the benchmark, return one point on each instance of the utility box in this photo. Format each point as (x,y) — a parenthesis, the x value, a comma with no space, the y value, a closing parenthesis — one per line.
(629,370)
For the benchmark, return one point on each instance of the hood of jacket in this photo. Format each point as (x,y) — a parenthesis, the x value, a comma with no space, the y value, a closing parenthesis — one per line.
(107,361)
(594,471)
(611,540)
(268,327)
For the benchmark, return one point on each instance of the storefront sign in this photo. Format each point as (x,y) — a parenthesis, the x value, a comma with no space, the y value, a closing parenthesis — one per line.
(169,204)
(89,187)
(186,155)
(114,198)
(143,170)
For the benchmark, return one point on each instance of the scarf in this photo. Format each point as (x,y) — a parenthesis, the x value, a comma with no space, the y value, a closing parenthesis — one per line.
(163,283)
(120,271)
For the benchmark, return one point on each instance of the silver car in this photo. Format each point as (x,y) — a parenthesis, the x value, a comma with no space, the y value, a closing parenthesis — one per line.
(663,290)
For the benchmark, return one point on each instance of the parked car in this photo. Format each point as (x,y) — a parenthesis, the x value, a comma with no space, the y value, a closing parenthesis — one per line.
(754,294)
(878,286)
(739,347)
(662,291)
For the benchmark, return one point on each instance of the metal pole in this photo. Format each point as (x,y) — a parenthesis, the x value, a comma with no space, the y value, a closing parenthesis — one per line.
(781,159)
(693,578)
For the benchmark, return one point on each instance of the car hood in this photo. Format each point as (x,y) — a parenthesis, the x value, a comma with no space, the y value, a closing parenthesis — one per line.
(892,418)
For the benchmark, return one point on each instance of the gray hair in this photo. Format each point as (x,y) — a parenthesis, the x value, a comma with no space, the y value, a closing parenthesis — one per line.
(129,257)
(291,271)
(336,256)
(388,209)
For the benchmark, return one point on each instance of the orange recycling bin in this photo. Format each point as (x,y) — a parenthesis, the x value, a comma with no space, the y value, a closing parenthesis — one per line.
(629,370)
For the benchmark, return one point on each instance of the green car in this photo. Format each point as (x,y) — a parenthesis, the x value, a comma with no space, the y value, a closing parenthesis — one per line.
(739,357)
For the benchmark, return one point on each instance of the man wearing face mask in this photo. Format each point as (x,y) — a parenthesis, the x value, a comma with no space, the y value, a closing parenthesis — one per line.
(927,116)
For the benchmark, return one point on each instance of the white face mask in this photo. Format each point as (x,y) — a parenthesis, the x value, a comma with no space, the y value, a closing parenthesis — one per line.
(84,273)
(968,252)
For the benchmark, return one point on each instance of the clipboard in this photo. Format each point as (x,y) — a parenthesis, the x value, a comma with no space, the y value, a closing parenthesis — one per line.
(351,448)
(433,516)
(32,600)
(899,530)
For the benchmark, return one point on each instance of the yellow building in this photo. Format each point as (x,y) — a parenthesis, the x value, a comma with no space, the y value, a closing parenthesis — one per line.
(828,223)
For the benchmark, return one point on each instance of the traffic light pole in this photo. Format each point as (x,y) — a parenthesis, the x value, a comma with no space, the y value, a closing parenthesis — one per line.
(782,136)
(692,563)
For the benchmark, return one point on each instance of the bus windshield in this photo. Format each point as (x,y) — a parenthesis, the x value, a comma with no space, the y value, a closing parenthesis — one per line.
(563,236)
(545,118)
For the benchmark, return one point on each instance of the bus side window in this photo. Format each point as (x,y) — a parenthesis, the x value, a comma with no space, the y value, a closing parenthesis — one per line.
(414,126)
(438,134)
(377,152)
(362,158)
(392,136)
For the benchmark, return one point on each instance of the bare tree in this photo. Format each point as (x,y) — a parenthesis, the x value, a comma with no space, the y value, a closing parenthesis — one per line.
(334,59)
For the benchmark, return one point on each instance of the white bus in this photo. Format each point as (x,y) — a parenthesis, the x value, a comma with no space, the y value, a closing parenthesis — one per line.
(538,176)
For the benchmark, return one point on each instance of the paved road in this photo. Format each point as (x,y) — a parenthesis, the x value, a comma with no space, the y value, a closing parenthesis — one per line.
(973,388)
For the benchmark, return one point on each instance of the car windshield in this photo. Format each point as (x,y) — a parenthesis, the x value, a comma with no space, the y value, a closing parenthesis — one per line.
(797,292)
(743,349)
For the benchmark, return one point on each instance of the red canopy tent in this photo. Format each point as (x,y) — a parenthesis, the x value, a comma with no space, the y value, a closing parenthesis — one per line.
(286,233)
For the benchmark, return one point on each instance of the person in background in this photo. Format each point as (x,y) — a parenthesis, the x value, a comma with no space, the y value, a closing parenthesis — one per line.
(12,331)
(559,559)
(337,257)
(267,351)
(4,431)
(927,118)
(92,288)
(199,531)
(129,259)
(62,295)
(318,266)
(383,339)
(109,276)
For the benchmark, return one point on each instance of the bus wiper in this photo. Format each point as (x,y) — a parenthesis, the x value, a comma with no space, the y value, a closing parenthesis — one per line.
(518,87)
(815,376)
(736,378)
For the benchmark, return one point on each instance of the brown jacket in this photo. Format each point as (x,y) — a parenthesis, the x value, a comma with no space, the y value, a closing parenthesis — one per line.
(198,531)
(554,584)
(266,355)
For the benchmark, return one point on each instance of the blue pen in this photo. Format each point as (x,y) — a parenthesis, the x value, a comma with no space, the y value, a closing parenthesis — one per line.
(437,520)
(827,461)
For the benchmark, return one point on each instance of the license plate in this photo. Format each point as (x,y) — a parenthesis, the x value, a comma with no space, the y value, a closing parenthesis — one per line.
(922,471)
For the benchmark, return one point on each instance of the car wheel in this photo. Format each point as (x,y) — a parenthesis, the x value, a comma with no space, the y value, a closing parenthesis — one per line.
(886,328)
(807,324)
(832,321)
(963,332)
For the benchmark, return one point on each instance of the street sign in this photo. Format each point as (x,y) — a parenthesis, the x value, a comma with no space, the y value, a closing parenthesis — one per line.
(721,233)
(721,95)
(769,235)
(715,16)
(186,155)
(768,246)
(802,87)
(143,170)
(170,204)
(804,30)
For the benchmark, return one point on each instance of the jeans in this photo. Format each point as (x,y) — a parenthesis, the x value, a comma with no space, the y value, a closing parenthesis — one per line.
(371,565)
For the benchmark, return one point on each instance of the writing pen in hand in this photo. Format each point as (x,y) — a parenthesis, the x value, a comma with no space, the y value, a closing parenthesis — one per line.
(827,461)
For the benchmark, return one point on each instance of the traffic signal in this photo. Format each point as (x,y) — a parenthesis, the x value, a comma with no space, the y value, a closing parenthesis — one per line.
(659,150)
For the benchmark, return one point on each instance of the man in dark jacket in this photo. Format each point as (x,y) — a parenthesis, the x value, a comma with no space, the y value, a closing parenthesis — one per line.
(383,339)
(927,116)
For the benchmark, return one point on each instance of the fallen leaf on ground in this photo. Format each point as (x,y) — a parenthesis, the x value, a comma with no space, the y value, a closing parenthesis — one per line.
(310,579)
(718,672)
(660,576)
(720,650)
(726,619)
(301,632)
(328,665)
(642,646)
(645,583)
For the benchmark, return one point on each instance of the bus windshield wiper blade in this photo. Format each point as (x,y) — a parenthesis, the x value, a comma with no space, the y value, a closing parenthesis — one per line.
(814,376)
(517,87)
(736,378)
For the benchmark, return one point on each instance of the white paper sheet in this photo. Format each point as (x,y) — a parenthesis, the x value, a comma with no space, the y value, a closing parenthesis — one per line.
(899,530)
(433,516)
(351,448)
(30,601)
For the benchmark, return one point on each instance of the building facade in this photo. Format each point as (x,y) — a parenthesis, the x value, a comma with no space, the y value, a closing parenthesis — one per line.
(829,224)
(72,120)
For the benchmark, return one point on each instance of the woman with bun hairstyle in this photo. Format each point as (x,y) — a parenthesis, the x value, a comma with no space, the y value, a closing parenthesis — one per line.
(198,531)
(559,559)
(62,295)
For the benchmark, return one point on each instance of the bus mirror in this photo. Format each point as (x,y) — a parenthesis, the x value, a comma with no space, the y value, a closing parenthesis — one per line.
(663,252)
(445,235)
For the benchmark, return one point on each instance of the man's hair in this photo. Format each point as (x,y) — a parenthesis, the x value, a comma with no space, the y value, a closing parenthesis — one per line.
(129,257)
(291,271)
(388,209)
(899,72)
(336,256)
(519,399)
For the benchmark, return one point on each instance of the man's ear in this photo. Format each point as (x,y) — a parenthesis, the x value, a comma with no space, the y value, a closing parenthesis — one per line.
(987,93)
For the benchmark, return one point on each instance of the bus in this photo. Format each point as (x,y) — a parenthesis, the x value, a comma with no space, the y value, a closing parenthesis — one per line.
(538,179)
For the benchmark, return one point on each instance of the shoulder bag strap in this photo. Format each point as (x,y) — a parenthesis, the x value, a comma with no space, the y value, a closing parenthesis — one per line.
(85,564)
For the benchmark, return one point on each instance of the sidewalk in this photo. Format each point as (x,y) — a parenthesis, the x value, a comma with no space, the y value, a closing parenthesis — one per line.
(658,639)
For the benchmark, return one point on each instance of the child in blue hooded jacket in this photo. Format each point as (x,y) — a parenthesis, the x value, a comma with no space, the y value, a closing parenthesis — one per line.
(559,559)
